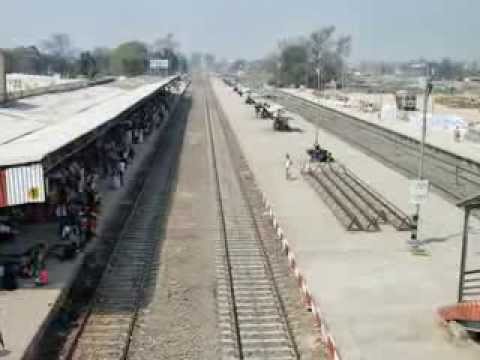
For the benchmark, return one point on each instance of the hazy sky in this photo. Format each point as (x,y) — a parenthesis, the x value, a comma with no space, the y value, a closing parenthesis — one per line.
(381,29)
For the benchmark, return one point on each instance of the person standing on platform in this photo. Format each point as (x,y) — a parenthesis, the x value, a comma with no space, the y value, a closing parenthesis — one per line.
(2,343)
(456,134)
(62,216)
(288,165)
(122,167)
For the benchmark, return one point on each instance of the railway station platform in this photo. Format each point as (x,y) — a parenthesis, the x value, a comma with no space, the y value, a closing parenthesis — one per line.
(379,300)
(437,137)
(26,311)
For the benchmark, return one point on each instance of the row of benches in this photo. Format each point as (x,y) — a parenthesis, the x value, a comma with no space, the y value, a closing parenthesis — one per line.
(356,205)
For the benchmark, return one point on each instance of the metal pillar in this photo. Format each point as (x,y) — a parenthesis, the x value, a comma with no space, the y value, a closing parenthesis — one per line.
(3,79)
(428,90)
(461,277)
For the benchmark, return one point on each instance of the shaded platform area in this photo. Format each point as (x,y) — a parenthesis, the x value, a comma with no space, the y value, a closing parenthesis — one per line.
(379,300)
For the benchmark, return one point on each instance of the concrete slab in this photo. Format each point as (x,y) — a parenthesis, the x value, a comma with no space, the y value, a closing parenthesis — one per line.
(378,298)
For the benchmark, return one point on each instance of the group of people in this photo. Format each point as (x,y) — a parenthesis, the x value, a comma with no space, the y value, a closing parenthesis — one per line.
(316,154)
(76,206)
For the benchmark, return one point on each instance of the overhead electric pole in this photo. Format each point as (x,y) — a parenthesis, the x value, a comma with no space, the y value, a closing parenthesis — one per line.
(414,241)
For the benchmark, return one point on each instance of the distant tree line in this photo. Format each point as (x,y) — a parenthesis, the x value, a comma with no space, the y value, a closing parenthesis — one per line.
(58,55)
(444,69)
(308,60)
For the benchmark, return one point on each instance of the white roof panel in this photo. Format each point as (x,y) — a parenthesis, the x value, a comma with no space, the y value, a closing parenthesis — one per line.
(32,141)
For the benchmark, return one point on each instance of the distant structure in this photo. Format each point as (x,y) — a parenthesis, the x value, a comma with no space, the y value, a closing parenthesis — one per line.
(159,66)
(415,69)
(3,79)
(406,100)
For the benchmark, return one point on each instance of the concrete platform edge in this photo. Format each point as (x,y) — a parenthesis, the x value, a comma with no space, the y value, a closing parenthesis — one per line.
(308,298)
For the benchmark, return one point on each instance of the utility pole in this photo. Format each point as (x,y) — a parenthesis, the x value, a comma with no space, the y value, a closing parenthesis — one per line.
(318,78)
(414,242)
(3,78)
(279,72)
(381,105)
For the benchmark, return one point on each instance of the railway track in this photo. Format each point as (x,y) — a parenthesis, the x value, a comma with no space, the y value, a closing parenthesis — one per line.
(453,175)
(252,318)
(251,284)
(105,330)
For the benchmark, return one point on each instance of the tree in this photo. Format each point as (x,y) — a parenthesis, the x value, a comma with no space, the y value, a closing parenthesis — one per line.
(102,60)
(196,60)
(60,53)
(167,42)
(167,48)
(449,70)
(320,43)
(88,65)
(58,45)
(238,65)
(209,61)
(25,60)
(182,63)
(300,59)
(328,54)
(294,62)
(129,58)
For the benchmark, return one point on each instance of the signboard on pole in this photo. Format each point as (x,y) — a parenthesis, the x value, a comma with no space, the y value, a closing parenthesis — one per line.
(419,191)
(159,64)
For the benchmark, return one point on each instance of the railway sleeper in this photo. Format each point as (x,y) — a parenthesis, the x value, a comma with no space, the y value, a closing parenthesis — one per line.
(97,337)
(99,353)
(258,309)
(109,326)
(267,352)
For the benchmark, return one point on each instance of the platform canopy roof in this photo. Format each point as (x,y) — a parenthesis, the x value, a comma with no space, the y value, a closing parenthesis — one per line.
(25,140)
(471,202)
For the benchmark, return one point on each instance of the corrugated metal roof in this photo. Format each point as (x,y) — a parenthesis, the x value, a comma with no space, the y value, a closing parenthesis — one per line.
(35,146)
